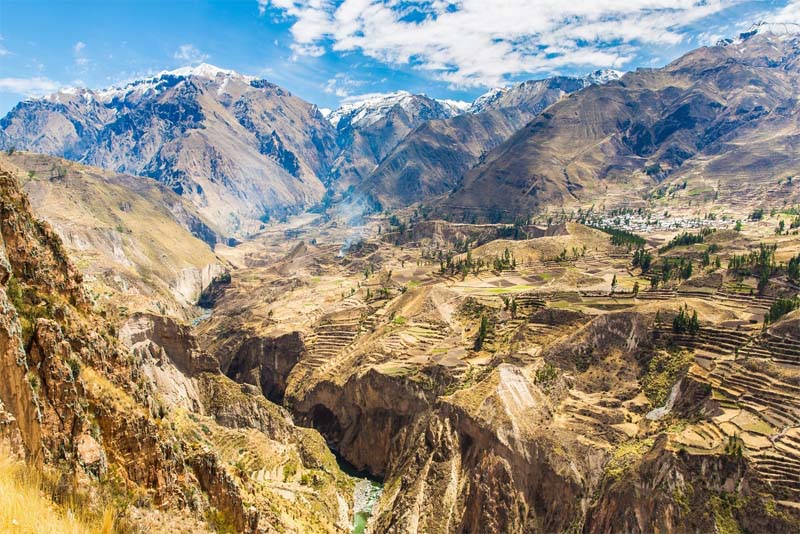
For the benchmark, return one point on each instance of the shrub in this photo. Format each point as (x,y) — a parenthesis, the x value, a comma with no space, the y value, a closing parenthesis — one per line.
(548,373)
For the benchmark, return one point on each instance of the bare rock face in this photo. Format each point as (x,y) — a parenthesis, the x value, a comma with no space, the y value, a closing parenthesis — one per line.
(362,417)
(683,492)
(91,454)
(266,362)
(486,461)
(174,340)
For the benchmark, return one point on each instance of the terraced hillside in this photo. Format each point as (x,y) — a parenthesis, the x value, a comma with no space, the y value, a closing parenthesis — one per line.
(492,370)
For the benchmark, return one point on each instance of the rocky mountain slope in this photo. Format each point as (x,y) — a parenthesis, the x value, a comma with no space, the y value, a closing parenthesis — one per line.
(239,148)
(138,244)
(243,150)
(369,129)
(431,159)
(510,389)
(143,425)
(718,118)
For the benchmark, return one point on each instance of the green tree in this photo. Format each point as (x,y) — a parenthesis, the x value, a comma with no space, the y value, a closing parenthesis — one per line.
(483,330)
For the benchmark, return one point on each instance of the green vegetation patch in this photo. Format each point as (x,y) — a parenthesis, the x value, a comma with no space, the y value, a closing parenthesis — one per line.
(723,507)
(781,307)
(30,305)
(663,370)
(546,375)
(621,238)
(625,455)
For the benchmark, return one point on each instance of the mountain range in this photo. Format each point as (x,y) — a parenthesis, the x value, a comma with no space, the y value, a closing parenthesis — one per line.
(180,355)
(244,151)
(717,120)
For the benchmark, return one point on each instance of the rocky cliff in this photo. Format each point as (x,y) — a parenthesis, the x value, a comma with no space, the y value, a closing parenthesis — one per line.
(139,246)
(147,426)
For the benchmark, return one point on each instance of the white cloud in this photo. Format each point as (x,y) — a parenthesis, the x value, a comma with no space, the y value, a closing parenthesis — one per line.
(480,42)
(190,54)
(78,51)
(30,87)
(365,97)
(790,13)
(342,85)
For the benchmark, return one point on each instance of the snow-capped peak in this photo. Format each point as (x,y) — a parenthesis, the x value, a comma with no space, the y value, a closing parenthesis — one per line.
(203,70)
(491,98)
(775,29)
(456,106)
(370,108)
(602,76)
(485,101)
(67,94)
(153,84)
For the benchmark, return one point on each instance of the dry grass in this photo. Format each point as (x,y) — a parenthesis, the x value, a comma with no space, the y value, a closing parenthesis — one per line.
(26,508)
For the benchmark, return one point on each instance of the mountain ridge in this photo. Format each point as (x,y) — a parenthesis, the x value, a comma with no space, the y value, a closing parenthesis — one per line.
(704,118)
(241,149)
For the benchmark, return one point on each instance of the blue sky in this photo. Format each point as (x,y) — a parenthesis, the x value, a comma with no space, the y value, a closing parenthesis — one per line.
(327,51)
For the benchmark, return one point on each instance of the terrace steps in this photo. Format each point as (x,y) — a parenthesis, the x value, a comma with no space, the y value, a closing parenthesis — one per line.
(775,401)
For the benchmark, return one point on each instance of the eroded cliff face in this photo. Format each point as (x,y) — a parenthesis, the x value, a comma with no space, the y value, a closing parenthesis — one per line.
(363,417)
(266,361)
(149,425)
(486,461)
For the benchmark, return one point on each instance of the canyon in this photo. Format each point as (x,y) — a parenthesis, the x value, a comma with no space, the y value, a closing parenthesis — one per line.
(570,307)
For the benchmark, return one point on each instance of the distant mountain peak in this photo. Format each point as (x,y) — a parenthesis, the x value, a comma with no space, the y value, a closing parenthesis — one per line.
(494,98)
(369,109)
(774,29)
(602,76)
(203,70)
(488,98)
(146,84)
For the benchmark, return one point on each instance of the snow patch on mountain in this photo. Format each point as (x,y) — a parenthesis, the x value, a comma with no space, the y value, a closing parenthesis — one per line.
(203,70)
(601,76)
(487,99)
(457,106)
(151,85)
